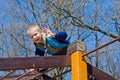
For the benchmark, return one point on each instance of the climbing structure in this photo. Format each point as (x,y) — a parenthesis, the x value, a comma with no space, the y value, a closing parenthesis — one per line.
(75,58)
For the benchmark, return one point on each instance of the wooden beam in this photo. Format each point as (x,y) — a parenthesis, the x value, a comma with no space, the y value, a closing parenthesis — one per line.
(98,74)
(76,46)
(13,77)
(78,67)
(95,72)
(78,64)
(28,77)
(34,62)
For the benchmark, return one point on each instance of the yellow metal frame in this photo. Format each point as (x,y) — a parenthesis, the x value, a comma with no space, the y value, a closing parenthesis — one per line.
(78,66)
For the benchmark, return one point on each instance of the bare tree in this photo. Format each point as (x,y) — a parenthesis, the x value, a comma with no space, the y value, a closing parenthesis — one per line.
(91,21)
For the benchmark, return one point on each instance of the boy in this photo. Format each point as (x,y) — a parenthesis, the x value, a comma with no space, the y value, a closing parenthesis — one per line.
(46,42)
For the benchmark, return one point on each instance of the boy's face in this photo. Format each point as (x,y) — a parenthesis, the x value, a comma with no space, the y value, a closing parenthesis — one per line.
(35,35)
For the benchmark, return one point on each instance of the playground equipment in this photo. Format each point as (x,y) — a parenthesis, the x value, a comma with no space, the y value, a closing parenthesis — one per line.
(75,58)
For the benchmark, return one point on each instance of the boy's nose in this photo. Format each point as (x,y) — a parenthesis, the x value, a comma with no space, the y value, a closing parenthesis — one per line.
(34,37)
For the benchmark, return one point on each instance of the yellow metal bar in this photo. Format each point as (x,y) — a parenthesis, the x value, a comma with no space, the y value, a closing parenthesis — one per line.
(78,66)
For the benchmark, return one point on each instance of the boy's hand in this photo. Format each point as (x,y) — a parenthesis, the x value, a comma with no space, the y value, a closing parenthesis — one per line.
(31,70)
(48,32)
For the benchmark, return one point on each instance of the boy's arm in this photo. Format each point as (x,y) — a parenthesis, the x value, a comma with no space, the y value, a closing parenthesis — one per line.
(61,36)
(56,44)
(39,52)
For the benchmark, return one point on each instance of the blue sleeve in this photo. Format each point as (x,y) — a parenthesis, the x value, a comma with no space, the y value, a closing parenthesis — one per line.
(55,44)
(61,36)
(39,52)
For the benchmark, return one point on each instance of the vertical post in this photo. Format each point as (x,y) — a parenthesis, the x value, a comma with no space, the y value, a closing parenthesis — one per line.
(78,64)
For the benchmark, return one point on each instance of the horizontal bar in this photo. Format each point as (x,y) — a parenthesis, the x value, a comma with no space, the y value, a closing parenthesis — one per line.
(34,62)
(95,72)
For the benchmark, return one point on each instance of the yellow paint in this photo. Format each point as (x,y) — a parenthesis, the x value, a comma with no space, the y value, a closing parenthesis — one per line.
(78,66)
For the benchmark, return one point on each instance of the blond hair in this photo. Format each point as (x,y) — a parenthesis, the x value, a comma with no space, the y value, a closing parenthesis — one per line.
(31,27)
